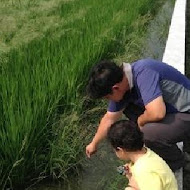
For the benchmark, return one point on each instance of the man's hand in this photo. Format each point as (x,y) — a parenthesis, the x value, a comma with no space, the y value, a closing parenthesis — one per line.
(90,149)
(108,119)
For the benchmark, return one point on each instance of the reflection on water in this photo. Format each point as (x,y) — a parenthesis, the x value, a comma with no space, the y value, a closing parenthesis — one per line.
(99,172)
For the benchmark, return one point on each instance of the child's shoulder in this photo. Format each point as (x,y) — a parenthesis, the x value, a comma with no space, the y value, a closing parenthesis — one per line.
(150,162)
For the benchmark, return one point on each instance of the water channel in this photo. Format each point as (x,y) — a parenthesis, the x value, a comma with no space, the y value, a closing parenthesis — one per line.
(99,172)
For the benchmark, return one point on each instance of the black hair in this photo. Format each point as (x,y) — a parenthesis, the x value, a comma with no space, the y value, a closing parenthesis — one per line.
(102,77)
(127,135)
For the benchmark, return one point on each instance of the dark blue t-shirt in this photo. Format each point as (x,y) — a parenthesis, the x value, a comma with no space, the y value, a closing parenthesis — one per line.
(151,79)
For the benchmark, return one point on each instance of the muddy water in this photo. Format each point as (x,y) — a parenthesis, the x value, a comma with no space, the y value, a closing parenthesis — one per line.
(99,172)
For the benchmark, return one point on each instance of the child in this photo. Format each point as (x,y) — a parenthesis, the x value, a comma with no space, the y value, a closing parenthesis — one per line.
(146,171)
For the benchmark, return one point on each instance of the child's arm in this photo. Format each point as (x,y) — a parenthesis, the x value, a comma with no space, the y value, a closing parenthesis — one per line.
(132,182)
(130,188)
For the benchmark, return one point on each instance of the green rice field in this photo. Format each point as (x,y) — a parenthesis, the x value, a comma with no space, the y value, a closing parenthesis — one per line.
(46,50)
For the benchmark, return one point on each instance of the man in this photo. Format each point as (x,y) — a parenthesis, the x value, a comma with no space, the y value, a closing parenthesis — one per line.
(151,93)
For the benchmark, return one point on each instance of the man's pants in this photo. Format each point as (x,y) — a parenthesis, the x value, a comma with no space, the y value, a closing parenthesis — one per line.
(162,136)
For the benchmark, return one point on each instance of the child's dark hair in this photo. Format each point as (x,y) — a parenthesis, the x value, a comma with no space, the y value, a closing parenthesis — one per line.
(127,135)
(103,76)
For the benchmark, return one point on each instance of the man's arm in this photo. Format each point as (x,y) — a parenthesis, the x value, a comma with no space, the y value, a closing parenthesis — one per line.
(154,111)
(108,119)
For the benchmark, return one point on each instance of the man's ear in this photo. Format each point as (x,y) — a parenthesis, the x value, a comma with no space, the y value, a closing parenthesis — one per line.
(115,87)
(119,149)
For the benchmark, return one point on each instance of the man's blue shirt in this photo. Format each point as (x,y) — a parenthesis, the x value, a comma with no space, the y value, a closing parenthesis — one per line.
(151,79)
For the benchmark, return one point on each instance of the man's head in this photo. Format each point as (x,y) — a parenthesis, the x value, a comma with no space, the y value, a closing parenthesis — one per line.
(106,81)
(125,137)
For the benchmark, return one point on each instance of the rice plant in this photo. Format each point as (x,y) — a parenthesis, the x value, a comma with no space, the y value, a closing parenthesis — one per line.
(46,50)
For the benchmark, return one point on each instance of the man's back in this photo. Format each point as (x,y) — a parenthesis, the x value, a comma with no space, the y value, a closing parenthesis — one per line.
(153,78)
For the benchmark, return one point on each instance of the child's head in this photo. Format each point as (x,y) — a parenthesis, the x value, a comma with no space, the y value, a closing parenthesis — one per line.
(125,136)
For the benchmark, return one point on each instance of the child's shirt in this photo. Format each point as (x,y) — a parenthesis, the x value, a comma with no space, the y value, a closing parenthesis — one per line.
(151,172)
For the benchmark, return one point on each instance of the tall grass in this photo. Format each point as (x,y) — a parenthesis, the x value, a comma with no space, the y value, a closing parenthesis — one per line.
(46,53)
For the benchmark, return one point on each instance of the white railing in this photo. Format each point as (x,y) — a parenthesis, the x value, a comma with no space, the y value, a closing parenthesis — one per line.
(175,54)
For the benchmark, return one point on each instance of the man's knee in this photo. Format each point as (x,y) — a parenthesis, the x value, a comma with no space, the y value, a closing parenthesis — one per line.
(172,129)
(150,131)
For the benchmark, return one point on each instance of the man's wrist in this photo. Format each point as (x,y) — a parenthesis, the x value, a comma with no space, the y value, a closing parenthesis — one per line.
(94,143)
